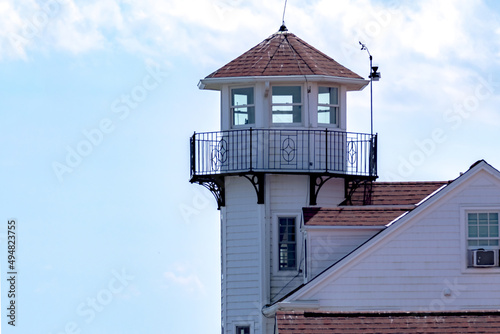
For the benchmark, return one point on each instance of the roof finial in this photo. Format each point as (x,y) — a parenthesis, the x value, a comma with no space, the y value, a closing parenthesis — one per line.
(283,27)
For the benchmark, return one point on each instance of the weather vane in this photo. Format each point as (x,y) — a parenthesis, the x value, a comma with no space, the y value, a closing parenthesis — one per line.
(374,76)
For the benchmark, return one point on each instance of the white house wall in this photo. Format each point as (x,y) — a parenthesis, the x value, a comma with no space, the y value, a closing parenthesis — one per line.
(328,245)
(249,244)
(287,195)
(420,265)
(241,256)
(331,193)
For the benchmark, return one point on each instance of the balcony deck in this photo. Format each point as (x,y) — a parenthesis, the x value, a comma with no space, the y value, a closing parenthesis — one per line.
(286,151)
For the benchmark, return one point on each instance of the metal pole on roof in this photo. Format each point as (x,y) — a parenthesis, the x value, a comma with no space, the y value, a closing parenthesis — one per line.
(283,20)
(371,97)
(374,76)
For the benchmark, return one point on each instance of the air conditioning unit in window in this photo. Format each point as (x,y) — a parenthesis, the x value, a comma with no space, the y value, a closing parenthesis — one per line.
(485,258)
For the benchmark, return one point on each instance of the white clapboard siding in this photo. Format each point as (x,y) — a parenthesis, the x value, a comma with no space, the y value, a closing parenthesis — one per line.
(288,194)
(249,243)
(327,246)
(241,256)
(331,193)
(411,266)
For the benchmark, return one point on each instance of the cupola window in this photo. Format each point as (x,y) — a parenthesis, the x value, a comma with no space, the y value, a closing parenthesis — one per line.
(287,104)
(328,105)
(242,106)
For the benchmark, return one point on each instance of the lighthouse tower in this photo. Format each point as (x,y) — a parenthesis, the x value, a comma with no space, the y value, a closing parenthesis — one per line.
(283,146)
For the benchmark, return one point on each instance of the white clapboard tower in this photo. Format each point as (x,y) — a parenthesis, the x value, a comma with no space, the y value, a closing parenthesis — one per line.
(283,145)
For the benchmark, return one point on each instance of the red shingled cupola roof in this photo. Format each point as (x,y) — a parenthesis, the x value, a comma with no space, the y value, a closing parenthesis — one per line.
(283,54)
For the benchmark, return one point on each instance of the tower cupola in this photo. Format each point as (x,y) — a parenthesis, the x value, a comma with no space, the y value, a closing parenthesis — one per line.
(283,82)
(283,110)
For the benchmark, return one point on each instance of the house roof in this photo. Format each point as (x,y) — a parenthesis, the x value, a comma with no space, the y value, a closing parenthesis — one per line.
(458,322)
(352,216)
(283,54)
(398,193)
(378,240)
(389,200)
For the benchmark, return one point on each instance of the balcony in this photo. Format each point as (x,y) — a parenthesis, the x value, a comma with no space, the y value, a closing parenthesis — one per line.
(311,152)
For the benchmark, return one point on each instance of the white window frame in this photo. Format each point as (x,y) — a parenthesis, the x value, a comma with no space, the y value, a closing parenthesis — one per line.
(276,244)
(243,324)
(301,104)
(464,259)
(478,238)
(232,107)
(337,106)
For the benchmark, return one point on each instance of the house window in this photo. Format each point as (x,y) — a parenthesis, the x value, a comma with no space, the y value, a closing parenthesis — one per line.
(287,104)
(482,230)
(482,239)
(242,106)
(328,105)
(287,244)
(242,329)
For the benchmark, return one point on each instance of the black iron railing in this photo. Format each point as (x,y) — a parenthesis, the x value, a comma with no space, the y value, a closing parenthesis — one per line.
(283,151)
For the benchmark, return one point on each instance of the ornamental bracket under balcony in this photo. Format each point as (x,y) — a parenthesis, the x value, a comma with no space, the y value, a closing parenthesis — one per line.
(253,153)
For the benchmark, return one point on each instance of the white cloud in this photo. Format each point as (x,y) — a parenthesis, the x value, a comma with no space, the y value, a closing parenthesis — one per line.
(215,31)
(53,24)
(434,29)
(180,277)
(12,44)
(193,29)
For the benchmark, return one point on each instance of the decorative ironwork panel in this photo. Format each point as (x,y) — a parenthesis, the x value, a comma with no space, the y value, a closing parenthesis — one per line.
(283,151)
(219,154)
(288,149)
(352,155)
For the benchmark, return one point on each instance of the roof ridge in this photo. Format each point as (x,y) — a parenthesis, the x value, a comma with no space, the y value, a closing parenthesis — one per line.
(313,48)
(270,58)
(277,49)
(409,182)
(295,52)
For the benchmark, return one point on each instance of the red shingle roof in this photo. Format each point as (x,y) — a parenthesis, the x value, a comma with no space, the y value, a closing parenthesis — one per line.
(459,322)
(398,193)
(283,54)
(389,200)
(352,216)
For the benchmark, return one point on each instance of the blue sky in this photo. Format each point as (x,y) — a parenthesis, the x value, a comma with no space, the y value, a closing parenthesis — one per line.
(116,240)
